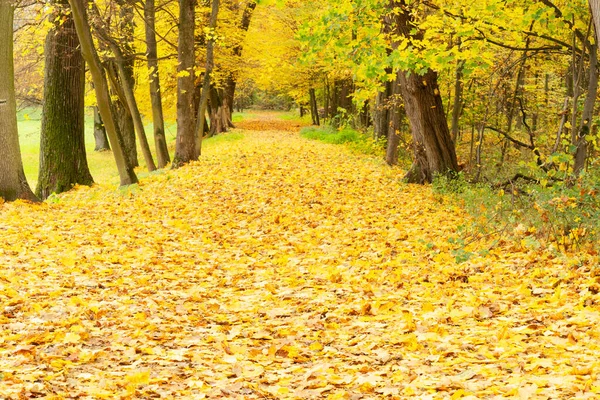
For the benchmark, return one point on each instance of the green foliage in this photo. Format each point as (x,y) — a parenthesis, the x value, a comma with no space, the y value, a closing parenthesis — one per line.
(353,139)
(559,214)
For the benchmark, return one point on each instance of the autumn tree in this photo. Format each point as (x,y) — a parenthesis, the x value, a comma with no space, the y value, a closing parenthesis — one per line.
(160,142)
(63,161)
(13,184)
(126,172)
(123,83)
(433,149)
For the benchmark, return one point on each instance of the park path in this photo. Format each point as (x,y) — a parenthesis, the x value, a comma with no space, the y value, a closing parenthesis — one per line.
(278,267)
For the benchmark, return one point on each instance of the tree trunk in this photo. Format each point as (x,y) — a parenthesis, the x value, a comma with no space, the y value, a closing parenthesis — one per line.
(587,114)
(457,105)
(160,140)
(185,144)
(433,149)
(100,133)
(13,184)
(393,123)
(124,119)
(231,83)
(381,113)
(126,83)
(206,86)
(63,161)
(595,8)
(314,109)
(126,173)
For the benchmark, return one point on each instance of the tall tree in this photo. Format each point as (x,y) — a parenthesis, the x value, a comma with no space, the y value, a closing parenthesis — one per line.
(126,172)
(13,184)
(185,145)
(63,161)
(206,87)
(121,76)
(433,149)
(160,141)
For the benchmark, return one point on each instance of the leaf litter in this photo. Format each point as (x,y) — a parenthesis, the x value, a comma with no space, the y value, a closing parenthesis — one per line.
(282,268)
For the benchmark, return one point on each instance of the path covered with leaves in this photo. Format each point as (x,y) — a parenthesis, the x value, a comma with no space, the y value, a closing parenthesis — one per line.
(281,268)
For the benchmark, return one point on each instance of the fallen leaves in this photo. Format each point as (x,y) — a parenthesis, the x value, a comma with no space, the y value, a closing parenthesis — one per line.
(277,267)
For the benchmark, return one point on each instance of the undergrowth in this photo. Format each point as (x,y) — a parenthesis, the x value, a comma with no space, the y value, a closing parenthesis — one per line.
(353,139)
(556,215)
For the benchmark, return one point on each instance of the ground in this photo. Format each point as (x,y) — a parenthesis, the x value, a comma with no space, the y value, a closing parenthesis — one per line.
(282,268)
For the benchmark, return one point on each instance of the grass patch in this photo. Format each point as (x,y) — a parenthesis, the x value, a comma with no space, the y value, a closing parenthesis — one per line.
(243,116)
(222,138)
(101,164)
(353,139)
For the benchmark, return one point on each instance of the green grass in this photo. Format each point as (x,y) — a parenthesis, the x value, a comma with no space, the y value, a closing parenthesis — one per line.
(353,139)
(102,165)
(243,116)
(224,137)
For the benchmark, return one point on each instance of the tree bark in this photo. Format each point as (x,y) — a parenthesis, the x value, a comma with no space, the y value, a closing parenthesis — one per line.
(587,114)
(125,126)
(393,122)
(381,113)
(185,145)
(100,137)
(457,104)
(206,86)
(126,173)
(63,161)
(433,149)
(314,109)
(126,84)
(13,184)
(160,141)
(231,83)
(595,9)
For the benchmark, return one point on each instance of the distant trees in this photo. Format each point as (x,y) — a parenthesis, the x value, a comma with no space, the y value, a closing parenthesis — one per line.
(126,172)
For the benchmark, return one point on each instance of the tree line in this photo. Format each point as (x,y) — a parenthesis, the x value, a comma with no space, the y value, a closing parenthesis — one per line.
(100,38)
(504,82)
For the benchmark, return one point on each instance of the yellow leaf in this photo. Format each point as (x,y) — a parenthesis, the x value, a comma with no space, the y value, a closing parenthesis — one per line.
(139,378)
(72,337)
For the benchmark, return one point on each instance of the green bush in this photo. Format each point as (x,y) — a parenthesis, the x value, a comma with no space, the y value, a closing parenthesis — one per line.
(533,212)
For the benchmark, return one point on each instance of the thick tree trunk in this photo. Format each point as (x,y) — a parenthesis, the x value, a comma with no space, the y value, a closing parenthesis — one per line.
(185,145)
(100,137)
(160,141)
(206,86)
(214,108)
(63,161)
(13,184)
(587,114)
(433,149)
(126,173)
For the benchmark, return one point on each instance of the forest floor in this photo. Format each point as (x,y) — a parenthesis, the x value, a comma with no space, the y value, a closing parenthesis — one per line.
(282,268)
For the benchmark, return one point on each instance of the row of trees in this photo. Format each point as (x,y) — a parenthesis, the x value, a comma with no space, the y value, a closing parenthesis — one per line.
(103,37)
(509,80)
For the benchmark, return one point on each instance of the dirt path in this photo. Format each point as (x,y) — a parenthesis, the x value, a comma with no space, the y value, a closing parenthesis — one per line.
(278,267)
